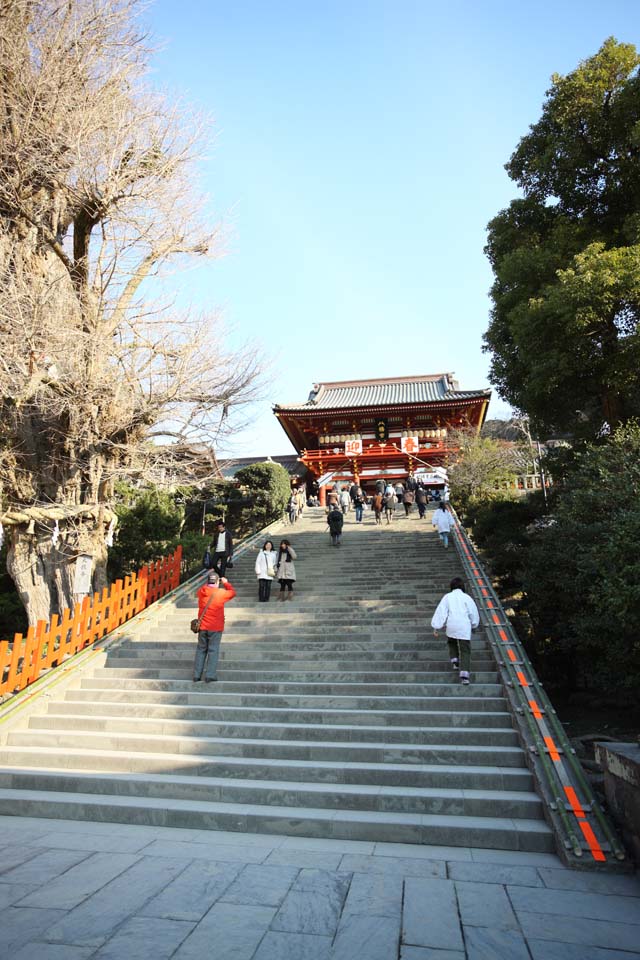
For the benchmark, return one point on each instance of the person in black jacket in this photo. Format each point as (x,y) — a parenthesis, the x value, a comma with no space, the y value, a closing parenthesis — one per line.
(335,520)
(222,549)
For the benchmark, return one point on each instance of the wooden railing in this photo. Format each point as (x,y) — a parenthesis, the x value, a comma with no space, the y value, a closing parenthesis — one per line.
(23,659)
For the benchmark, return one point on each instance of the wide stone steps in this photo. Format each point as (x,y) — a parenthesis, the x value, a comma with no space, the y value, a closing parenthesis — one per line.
(86,701)
(72,712)
(451,801)
(493,832)
(335,715)
(202,730)
(374,751)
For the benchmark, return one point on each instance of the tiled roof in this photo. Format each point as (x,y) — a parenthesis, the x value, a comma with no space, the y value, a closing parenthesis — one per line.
(382,393)
(229,468)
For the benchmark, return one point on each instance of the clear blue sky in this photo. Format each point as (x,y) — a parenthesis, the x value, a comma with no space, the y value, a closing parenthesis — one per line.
(358,158)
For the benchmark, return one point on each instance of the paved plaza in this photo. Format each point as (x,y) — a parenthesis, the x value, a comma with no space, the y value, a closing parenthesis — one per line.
(106,891)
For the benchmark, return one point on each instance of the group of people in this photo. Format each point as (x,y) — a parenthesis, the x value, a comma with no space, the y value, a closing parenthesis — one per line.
(296,504)
(456,613)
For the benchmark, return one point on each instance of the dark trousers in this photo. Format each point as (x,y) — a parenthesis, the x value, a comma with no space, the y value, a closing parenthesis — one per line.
(421,509)
(286,583)
(219,563)
(407,508)
(460,650)
(264,590)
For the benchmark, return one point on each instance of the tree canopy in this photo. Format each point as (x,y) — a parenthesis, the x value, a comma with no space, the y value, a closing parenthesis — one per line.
(564,334)
(99,380)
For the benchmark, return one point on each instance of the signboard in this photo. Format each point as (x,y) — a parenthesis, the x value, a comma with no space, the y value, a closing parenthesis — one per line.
(382,430)
(427,476)
(82,578)
(353,448)
(409,444)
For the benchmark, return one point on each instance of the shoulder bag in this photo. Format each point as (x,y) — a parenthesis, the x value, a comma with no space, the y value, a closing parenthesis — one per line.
(195,623)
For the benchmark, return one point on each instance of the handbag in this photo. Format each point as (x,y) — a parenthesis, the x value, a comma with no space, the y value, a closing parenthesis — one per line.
(194,626)
(229,564)
(206,560)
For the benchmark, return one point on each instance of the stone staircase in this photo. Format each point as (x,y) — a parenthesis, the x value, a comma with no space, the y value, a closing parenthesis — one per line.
(335,715)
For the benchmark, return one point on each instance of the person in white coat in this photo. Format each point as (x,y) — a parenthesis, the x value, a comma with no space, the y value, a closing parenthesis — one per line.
(459,615)
(442,520)
(266,570)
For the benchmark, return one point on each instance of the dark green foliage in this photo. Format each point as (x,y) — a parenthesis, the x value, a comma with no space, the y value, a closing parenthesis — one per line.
(576,570)
(564,332)
(583,572)
(268,487)
(149,525)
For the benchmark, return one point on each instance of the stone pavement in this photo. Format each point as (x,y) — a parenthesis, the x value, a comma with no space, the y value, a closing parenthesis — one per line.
(78,890)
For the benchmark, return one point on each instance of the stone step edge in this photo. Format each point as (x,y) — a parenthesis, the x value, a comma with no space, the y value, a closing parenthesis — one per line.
(243,724)
(29,801)
(382,790)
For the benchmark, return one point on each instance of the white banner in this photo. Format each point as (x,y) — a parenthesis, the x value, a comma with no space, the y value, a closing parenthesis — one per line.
(409,444)
(353,448)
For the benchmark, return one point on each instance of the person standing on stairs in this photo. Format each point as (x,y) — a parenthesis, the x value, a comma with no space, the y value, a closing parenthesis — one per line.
(265,570)
(459,614)
(389,502)
(213,595)
(335,520)
(222,549)
(443,522)
(285,570)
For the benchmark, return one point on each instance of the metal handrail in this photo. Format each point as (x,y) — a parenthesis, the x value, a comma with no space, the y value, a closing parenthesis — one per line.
(562,773)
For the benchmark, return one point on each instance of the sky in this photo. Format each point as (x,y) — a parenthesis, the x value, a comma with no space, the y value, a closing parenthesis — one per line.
(358,156)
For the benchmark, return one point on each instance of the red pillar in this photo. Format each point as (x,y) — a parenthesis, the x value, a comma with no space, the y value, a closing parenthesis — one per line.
(322,496)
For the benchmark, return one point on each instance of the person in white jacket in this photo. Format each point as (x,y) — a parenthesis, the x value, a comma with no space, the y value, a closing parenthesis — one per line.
(442,520)
(459,614)
(266,570)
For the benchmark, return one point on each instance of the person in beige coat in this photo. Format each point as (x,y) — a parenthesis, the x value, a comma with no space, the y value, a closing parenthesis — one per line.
(285,569)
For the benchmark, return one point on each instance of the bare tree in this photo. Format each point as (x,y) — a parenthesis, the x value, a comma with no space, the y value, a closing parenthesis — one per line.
(96,197)
(480,463)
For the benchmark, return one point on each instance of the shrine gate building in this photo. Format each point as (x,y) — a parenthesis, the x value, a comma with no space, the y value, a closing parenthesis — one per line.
(389,429)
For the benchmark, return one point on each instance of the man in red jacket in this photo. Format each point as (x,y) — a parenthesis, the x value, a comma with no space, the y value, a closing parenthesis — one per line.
(215,592)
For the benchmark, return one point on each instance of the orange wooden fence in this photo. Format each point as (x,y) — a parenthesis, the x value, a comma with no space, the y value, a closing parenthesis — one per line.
(48,644)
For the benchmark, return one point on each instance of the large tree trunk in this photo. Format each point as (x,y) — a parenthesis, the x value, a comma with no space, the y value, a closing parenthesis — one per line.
(50,577)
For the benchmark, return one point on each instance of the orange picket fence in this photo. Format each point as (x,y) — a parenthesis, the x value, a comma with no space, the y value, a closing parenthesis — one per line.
(46,645)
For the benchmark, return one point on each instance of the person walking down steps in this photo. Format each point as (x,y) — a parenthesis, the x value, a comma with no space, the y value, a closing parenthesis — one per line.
(266,570)
(285,570)
(222,549)
(458,613)
(442,520)
(212,597)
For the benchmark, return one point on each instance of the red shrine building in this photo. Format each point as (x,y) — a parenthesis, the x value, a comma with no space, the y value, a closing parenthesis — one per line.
(368,430)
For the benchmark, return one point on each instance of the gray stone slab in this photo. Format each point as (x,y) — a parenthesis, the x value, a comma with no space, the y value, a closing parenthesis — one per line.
(24,923)
(176,849)
(485,943)
(398,866)
(374,895)
(11,893)
(52,951)
(550,950)
(192,894)
(590,933)
(143,937)
(430,917)
(428,953)
(328,845)
(362,937)
(13,855)
(494,873)
(423,851)
(46,866)
(261,884)
(314,903)
(304,858)
(95,842)
(293,946)
(485,905)
(521,857)
(94,920)
(570,903)
(229,931)
(590,882)
(81,881)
